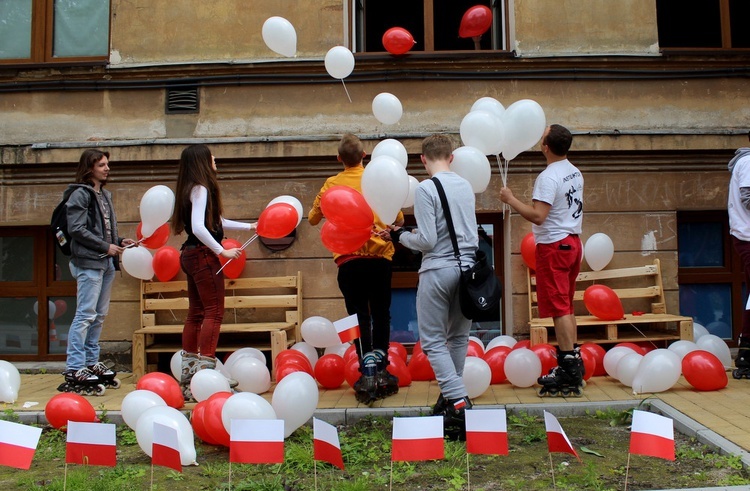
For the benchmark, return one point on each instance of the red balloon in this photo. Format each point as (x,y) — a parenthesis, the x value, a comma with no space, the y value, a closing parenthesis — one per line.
(69,406)
(399,349)
(603,302)
(420,368)
(329,371)
(285,369)
(704,371)
(351,372)
(597,352)
(155,240)
(347,208)
(61,306)
(350,354)
(163,385)
(646,346)
(475,22)
(277,220)
(528,251)
(417,348)
(212,418)
(343,240)
(295,357)
(547,355)
(236,266)
(166,263)
(589,364)
(474,349)
(199,426)
(524,343)
(397,367)
(397,40)
(495,358)
(635,347)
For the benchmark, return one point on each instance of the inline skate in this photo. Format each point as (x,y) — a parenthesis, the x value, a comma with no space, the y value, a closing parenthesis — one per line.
(566,379)
(454,418)
(82,381)
(742,361)
(107,376)
(386,382)
(366,388)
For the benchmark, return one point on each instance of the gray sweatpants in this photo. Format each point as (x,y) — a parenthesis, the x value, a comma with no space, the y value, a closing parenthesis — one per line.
(443,330)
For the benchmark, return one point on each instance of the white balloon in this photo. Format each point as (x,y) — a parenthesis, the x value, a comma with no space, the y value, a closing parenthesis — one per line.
(387,108)
(280,36)
(683,347)
(10,382)
(167,416)
(471,164)
(290,200)
(698,331)
(339,349)
(339,62)
(599,251)
(658,371)
(391,148)
(612,358)
(385,186)
(14,377)
(252,375)
(207,382)
(477,376)
(522,367)
(308,350)
(484,131)
(175,365)
(51,309)
(241,353)
(503,340)
(157,205)
(294,400)
(245,406)
(413,183)
(319,332)
(627,368)
(489,104)
(525,123)
(479,342)
(136,403)
(714,344)
(138,262)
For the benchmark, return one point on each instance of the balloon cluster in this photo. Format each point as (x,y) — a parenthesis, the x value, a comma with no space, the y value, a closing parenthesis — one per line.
(349,220)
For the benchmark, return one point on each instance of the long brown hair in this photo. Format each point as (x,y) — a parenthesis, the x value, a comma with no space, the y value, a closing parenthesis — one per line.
(196,169)
(86,164)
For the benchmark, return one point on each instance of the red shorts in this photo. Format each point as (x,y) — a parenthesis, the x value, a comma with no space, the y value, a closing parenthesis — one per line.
(557,267)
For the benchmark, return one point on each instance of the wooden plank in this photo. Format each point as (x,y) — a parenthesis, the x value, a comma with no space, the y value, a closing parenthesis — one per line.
(237,328)
(259,301)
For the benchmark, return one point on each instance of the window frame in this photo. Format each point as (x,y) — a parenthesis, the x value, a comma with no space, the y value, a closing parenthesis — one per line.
(726,33)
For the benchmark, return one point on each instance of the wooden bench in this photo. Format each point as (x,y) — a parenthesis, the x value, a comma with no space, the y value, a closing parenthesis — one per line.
(642,294)
(263,313)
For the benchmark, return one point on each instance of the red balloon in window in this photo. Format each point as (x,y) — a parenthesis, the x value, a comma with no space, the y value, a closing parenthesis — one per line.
(398,40)
(475,22)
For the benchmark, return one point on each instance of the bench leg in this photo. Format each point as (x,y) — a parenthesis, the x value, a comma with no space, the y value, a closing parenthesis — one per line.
(538,335)
(278,344)
(139,356)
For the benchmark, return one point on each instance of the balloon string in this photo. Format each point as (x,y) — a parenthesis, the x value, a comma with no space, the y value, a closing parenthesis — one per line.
(346,90)
(247,243)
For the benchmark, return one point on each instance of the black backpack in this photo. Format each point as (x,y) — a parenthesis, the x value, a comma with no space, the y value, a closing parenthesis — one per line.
(59,223)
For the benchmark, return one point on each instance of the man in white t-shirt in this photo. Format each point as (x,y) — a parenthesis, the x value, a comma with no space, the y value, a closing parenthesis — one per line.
(738,206)
(556,214)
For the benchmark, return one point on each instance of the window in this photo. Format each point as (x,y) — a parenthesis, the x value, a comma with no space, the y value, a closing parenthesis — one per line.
(434,24)
(37,295)
(703,23)
(54,31)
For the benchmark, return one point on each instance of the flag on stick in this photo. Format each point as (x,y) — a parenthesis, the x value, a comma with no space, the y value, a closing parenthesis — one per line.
(557,441)
(165,449)
(418,439)
(256,441)
(347,328)
(486,432)
(18,443)
(91,444)
(652,435)
(326,446)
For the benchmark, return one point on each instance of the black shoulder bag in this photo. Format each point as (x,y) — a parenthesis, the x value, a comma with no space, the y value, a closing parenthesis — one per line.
(479,290)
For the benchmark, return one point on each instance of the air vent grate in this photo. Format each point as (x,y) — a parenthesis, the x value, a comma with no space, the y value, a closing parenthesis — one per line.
(182,100)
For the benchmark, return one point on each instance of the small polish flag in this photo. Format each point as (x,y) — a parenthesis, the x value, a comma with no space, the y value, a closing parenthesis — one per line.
(165,449)
(418,439)
(326,446)
(256,441)
(347,328)
(91,444)
(557,441)
(652,435)
(17,444)
(486,432)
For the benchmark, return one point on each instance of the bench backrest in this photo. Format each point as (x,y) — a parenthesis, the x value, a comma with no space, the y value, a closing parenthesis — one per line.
(638,287)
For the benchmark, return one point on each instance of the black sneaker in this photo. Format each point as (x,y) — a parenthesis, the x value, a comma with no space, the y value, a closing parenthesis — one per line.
(454,419)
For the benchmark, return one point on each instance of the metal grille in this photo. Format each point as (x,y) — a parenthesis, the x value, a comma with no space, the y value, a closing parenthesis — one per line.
(182,100)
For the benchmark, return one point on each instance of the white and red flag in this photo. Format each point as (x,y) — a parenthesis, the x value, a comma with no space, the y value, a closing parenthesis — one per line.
(347,328)
(652,435)
(486,432)
(165,448)
(326,446)
(418,439)
(557,440)
(17,444)
(91,444)
(256,441)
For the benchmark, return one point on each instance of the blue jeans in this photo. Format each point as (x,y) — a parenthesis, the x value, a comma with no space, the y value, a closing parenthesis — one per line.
(93,295)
